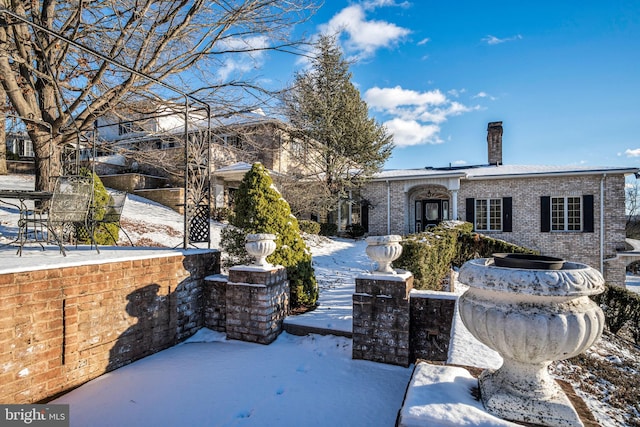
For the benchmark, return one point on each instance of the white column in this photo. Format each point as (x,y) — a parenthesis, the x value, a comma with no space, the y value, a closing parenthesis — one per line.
(454,204)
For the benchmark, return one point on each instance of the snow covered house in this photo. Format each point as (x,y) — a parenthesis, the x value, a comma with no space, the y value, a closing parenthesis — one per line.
(573,212)
(152,143)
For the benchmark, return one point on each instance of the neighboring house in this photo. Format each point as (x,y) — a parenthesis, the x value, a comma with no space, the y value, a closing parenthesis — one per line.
(573,212)
(154,143)
(20,145)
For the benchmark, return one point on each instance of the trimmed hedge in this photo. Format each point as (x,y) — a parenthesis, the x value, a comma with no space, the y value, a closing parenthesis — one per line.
(473,245)
(431,254)
(309,227)
(621,310)
(328,229)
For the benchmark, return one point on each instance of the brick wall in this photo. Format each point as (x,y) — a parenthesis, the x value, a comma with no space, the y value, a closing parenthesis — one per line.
(380,222)
(21,167)
(575,246)
(61,327)
(392,323)
(170,197)
(130,182)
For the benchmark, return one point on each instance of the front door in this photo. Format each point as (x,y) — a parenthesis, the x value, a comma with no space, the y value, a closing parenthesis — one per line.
(429,213)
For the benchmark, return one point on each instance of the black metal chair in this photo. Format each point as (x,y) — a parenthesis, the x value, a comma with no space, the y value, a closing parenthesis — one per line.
(112,215)
(68,208)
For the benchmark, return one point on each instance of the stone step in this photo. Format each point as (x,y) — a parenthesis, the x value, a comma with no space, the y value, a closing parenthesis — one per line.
(301,330)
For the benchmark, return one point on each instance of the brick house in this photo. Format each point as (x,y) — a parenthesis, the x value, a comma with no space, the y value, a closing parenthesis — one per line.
(573,212)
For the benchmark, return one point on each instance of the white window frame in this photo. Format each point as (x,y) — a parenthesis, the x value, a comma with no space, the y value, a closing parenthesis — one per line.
(487,226)
(561,224)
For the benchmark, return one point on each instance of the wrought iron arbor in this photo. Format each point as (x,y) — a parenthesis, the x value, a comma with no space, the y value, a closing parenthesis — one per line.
(197,194)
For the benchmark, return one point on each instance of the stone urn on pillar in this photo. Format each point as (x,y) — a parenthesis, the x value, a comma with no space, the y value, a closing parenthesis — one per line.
(384,250)
(260,246)
(532,310)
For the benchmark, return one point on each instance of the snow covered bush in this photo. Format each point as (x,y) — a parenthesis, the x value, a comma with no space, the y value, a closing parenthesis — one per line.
(259,208)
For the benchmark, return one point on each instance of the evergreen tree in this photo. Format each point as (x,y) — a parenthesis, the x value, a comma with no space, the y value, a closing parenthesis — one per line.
(344,145)
(259,208)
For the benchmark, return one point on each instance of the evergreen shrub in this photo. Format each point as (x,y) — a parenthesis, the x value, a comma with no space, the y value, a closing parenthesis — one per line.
(259,208)
(101,199)
(355,230)
(429,255)
(309,227)
(473,245)
(328,229)
(621,310)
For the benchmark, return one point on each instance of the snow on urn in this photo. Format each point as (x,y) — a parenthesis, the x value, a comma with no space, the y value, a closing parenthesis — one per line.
(384,250)
(532,310)
(260,246)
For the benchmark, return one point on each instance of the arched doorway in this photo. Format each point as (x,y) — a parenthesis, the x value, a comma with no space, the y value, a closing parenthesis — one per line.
(431,205)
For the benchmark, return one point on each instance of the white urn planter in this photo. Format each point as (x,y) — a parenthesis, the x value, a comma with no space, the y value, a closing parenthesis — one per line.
(531,317)
(384,250)
(260,246)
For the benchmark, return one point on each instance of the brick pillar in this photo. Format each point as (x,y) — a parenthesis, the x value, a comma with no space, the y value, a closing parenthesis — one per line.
(257,301)
(215,302)
(431,323)
(381,318)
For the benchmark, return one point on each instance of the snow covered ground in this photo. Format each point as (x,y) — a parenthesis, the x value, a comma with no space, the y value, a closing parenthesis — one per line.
(310,381)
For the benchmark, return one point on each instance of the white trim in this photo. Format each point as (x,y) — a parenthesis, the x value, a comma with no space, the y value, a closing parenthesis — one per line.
(551,174)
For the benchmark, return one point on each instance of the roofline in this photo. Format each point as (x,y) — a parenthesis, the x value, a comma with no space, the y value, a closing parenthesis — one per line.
(464,174)
(405,177)
(625,171)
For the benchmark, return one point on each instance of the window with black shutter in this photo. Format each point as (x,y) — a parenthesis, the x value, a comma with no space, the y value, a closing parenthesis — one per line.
(566,213)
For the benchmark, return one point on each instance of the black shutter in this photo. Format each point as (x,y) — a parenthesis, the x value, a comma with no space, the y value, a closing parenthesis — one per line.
(364,216)
(545,214)
(471,211)
(506,214)
(587,213)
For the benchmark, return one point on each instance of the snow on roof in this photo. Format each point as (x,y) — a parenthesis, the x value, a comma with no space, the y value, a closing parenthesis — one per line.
(499,171)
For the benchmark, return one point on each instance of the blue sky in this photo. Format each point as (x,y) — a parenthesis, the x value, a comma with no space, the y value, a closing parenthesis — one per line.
(564,77)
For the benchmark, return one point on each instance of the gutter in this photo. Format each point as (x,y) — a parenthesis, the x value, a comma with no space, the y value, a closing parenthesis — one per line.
(551,174)
(604,175)
(388,207)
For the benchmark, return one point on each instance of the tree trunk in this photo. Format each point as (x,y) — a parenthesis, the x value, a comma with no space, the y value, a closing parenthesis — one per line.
(3,145)
(47,159)
(3,133)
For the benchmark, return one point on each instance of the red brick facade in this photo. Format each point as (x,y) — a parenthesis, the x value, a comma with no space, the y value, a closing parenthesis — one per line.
(61,327)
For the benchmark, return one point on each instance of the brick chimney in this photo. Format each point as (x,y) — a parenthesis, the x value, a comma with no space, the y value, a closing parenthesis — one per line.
(494,142)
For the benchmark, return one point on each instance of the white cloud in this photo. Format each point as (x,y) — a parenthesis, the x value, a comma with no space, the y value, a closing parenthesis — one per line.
(491,40)
(372,4)
(484,95)
(363,37)
(632,152)
(389,98)
(424,41)
(459,162)
(456,92)
(409,132)
(243,62)
(414,117)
